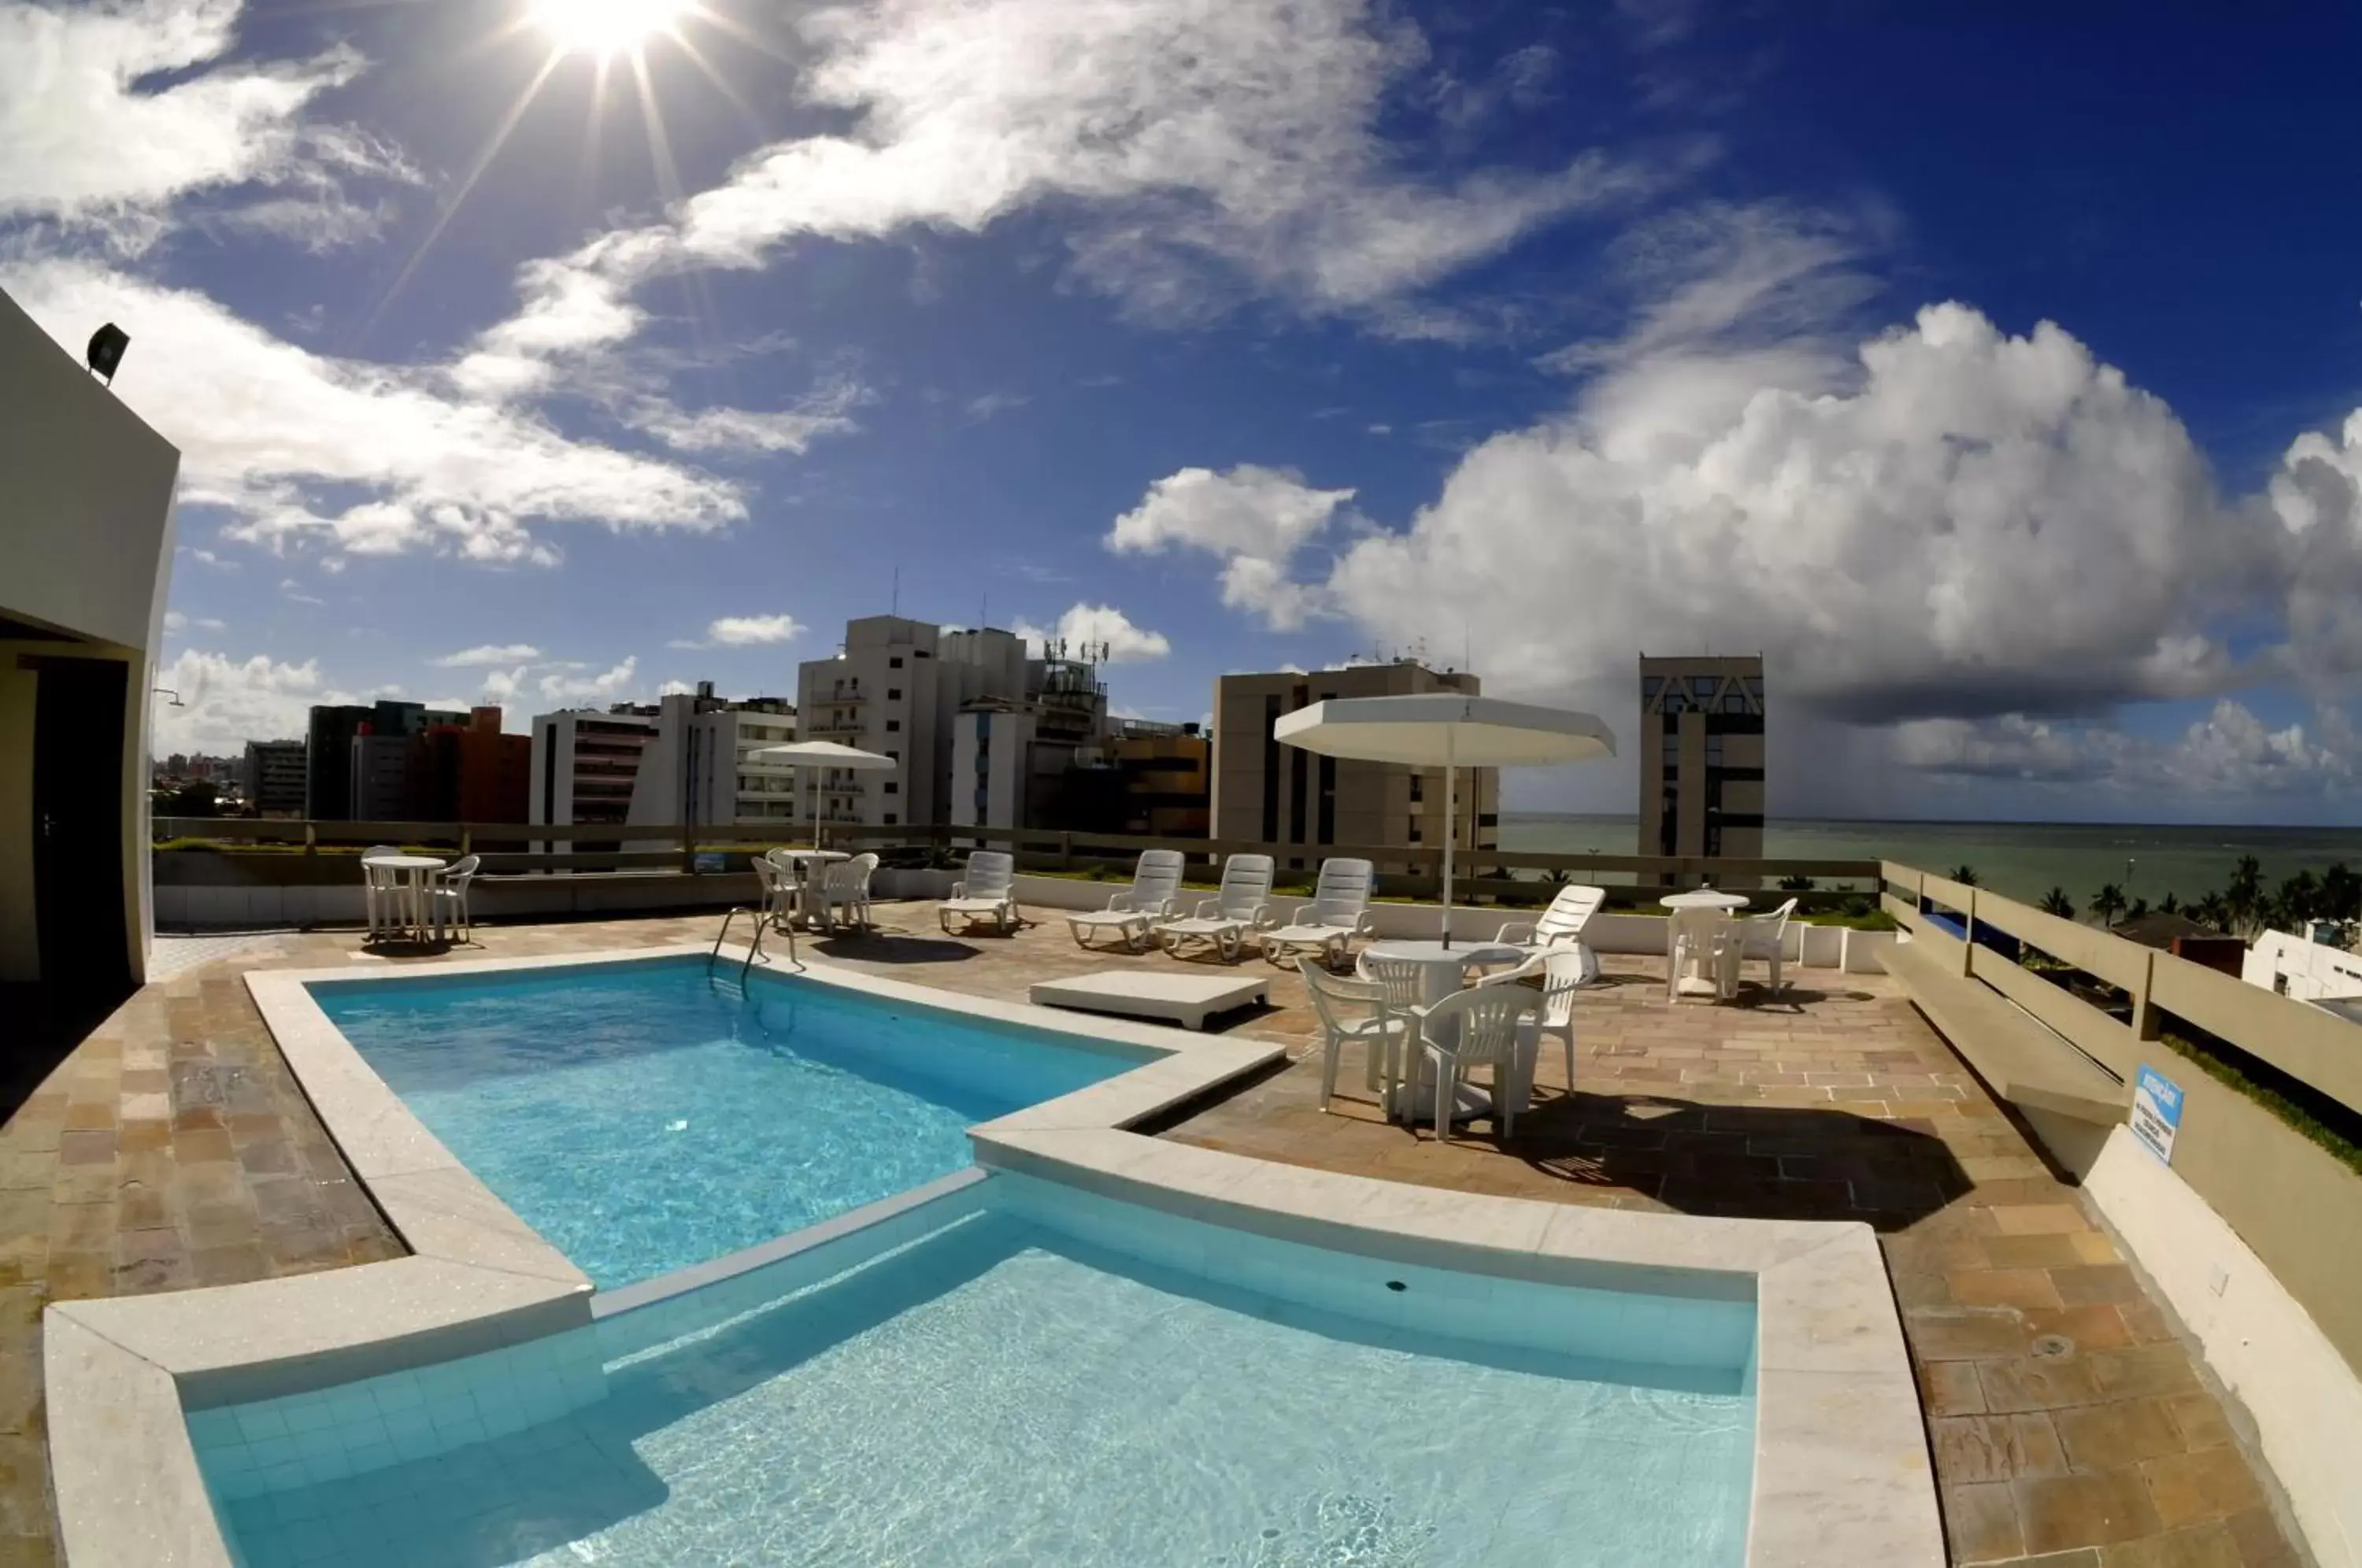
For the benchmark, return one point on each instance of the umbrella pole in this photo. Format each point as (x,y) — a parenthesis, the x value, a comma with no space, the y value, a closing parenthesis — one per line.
(1448,834)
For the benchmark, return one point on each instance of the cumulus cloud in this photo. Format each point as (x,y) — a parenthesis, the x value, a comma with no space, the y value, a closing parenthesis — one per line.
(110,111)
(743,631)
(487,653)
(306,450)
(614,686)
(1201,153)
(1973,524)
(2229,752)
(1089,627)
(503,685)
(227,702)
(1252,519)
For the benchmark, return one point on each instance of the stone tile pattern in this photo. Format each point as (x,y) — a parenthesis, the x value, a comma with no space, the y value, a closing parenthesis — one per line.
(2069,1425)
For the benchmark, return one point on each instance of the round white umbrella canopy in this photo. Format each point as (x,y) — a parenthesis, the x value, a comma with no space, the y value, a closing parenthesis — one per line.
(1446,730)
(822,753)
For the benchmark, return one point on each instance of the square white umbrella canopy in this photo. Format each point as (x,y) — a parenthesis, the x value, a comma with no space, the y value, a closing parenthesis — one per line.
(1446,730)
(822,753)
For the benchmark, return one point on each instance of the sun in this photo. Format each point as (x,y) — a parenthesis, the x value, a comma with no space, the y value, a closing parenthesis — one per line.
(605,28)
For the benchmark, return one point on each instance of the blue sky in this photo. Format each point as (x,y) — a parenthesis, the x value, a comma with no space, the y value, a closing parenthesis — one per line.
(1991,375)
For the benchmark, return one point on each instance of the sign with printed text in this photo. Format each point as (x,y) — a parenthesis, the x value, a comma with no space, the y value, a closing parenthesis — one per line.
(2156,1112)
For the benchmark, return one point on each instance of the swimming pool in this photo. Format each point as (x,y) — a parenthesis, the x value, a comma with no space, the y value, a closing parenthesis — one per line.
(1021,1372)
(646,1116)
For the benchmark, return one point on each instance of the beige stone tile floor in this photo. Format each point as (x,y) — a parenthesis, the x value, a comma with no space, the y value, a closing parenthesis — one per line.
(2070,1426)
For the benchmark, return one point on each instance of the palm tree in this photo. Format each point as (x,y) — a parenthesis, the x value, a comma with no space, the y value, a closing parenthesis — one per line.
(2139,908)
(2341,893)
(2107,903)
(2300,900)
(2057,903)
(1964,875)
(2244,899)
(2168,904)
(2211,911)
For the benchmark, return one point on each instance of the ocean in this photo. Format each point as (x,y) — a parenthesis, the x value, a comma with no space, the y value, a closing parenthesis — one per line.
(2019,860)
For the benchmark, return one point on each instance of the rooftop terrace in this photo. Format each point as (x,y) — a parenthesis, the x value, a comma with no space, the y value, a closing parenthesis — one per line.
(2070,1425)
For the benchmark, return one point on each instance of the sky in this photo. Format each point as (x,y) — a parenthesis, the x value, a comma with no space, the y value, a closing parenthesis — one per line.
(1998,377)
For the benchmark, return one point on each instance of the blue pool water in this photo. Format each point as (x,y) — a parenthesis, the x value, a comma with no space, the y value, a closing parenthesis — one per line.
(998,1384)
(644,1117)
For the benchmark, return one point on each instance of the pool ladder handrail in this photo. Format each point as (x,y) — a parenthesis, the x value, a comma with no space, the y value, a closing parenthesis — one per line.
(762,924)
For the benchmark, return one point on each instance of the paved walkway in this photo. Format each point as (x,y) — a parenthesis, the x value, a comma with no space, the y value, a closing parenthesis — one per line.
(2070,1426)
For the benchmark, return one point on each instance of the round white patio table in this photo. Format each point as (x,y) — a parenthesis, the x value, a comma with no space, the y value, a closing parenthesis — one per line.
(1442,971)
(1695,984)
(803,860)
(414,869)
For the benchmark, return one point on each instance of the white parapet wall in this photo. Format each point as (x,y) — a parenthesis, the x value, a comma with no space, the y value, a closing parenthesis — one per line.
(2305,1400)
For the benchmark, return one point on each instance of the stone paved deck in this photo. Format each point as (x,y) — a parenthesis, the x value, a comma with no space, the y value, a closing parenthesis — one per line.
(2070,1425)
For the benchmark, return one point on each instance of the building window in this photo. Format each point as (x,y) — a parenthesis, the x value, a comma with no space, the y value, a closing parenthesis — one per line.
(893,694)
(1415,835)
(892,725)
(895,663)
(1418,788)
(893,786)
(891,820)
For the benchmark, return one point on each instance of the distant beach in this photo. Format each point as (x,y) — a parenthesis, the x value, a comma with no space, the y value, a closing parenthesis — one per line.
(2021,860)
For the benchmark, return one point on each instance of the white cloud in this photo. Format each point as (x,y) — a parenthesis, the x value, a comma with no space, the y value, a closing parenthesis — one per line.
(825,412)
(676,688)
(228,702)
(1973,524)
(1202,152)
(487,653)
(1087,628)
(208,624)
(2229,752)
(980,409)
(743,631)
(1253,518)
(286,439)
(503,685)
(174,621)
(614,686)
(89,135)
(290,589)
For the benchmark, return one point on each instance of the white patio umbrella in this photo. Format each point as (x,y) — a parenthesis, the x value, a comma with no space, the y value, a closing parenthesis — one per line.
(801,754)
(1446,730)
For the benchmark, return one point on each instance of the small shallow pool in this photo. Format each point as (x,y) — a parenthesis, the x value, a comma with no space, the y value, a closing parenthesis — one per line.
(1022,1373)
(646,1116)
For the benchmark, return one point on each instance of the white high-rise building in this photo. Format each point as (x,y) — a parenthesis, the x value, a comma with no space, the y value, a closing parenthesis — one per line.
(585,764)
(913,691)
(698,766)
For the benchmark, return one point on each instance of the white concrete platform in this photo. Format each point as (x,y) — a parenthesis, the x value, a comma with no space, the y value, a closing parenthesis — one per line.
(1183,998)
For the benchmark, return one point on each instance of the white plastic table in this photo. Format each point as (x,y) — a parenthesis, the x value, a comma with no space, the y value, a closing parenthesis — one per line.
(803,860)
(1443,970)
(414,869)
(1695,984)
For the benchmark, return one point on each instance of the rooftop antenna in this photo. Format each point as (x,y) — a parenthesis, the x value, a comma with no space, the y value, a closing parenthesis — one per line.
(898,589)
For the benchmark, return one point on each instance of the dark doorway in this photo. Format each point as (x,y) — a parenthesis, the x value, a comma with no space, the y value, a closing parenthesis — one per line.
(78,829)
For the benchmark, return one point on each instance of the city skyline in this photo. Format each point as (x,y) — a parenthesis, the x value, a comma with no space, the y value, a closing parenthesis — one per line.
(2017,444)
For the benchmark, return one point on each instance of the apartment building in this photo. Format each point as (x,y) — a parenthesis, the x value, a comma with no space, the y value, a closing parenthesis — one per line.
(329,793)
(471,773)
(585,764)
(698,766)
(904,687)
(1701,753)
(1272,793)
(1143,778)
(272,777)
(1015,760)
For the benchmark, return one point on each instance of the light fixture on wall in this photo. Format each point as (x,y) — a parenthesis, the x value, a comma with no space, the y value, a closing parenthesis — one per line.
(105,351)
(167,692)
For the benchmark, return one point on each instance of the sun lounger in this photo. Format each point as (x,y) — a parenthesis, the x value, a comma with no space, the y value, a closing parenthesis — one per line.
(1242,906)
(1131,914)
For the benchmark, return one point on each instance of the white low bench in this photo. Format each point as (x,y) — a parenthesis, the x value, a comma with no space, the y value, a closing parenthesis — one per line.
(1183,998)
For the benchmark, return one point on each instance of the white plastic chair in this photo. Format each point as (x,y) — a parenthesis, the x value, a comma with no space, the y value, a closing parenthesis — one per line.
(1476,1028)
(778,891)
(448,892)
(843,885)
(1764,936)
(1562,925)
(1340,912)
(866,866)
(1154,895)
(987,891)
(1241,905)
(381,892)
(1563,974)
(1403,982)
(1381,1031)
(1704,940)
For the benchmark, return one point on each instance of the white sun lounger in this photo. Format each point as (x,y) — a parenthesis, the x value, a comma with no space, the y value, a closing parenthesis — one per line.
(1153,895)
(1340,912)
(1225,920)
(987,892)
(1562,925)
